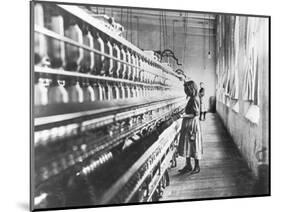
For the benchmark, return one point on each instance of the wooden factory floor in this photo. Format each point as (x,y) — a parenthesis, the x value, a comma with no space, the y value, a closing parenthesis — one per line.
(223,173)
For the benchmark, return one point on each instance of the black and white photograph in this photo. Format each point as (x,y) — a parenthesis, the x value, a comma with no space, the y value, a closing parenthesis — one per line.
(136,105)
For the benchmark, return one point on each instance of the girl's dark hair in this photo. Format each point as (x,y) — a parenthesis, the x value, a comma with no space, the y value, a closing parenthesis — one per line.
(190,88)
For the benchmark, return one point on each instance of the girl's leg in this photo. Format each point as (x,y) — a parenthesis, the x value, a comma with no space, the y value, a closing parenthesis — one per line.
(204,115)
(188,163)
(196,167)
(200,117)
(187,166)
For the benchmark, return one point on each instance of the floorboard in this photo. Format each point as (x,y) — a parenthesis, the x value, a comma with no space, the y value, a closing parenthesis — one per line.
(223,173)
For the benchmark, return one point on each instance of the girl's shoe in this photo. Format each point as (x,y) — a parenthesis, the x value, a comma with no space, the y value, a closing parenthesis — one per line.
(196,170)
(185,169)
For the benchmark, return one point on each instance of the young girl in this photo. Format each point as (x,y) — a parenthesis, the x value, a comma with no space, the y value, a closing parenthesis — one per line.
(190,143)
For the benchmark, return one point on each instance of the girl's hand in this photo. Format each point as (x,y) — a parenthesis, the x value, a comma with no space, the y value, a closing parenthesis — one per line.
(187,116)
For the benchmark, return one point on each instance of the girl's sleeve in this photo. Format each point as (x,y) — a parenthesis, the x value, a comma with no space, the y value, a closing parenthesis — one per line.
(196,107)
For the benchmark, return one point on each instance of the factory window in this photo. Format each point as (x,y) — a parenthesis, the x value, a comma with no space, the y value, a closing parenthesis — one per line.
(227,66)
(251,79)
(234,92)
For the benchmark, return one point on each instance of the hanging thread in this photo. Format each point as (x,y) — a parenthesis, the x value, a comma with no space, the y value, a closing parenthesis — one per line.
(173,40)
(185,20)
(121,16)
(166,29)
(160,31)
(131,25)
(127,24)
(138,31)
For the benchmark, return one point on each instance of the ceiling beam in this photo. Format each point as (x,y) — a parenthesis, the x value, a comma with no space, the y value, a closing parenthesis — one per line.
(199,34)
(157,13)
(170,24)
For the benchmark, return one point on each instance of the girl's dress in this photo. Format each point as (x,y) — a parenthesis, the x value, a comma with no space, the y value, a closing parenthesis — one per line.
(190,141)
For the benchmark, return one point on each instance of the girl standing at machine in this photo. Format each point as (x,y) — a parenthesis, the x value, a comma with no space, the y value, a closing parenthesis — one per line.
(190,143)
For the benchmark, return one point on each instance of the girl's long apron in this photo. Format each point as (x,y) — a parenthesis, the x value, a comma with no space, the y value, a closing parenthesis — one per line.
(190,141)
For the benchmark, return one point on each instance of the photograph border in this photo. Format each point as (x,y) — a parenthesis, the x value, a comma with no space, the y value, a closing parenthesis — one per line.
(31,106)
